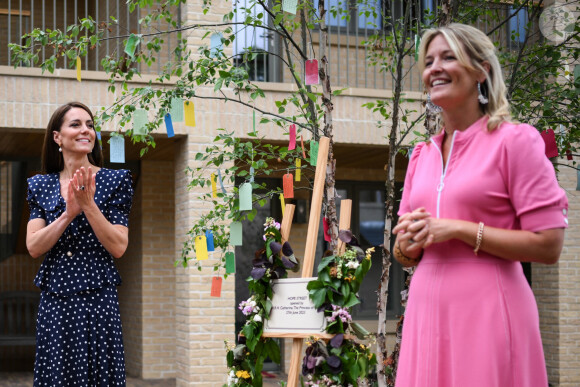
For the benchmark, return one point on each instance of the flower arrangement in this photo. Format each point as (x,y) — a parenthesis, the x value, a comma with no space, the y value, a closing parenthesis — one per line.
(341,361)
(245,360)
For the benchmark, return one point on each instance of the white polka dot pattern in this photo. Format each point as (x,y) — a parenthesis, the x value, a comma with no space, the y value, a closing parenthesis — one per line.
(78,261)
(79,339)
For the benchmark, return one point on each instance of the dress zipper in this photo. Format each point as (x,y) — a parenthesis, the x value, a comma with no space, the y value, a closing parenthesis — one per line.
(444,168)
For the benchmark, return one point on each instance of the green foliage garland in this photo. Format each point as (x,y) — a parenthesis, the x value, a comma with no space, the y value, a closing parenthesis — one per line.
(342,361)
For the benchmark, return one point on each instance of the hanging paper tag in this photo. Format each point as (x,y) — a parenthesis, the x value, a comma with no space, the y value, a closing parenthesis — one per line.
(410,153)
(209,240)
(221,182)
(298,167)
(289,6)
(230,263)
(313,152)
(236,234)
(292,132)
(311,71)
(140,122)
(117,149)
(302,145)
(252,173)
(569,155)
(215,44)
(169,125)
(417,44)
(200,248)
(325,227)
(176,109)
(99,135)
(550,141)
(216,287)
(253,120)
(78,68)
(189,111)
(245,197)
(282,204)
(213,186)
(288,183)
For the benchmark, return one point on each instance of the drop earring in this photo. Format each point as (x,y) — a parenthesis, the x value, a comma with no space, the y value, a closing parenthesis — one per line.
(60,149)
(480,97)
(431,106)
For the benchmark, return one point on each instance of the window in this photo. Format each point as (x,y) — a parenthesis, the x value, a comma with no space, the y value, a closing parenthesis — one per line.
(368,223)
(264,67)
(517,25)
(12,194)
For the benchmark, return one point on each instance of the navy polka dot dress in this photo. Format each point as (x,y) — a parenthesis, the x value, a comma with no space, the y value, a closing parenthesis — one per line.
(79,341)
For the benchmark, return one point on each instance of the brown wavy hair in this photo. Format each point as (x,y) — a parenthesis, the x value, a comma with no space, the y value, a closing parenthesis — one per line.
(52,160)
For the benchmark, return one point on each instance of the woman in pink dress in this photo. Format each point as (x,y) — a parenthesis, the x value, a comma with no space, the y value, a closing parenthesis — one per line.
(479,198)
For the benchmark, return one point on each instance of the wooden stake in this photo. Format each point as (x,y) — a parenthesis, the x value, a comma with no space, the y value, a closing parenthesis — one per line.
(344,222)
(310,250)
(286,225)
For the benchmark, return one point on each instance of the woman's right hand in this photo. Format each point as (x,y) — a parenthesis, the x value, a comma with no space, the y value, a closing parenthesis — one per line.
(412,230)
(73,209)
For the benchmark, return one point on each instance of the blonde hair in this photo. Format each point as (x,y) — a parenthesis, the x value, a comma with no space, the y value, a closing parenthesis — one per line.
(472,47)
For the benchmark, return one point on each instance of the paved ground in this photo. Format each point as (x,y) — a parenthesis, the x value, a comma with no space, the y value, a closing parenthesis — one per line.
(24,379)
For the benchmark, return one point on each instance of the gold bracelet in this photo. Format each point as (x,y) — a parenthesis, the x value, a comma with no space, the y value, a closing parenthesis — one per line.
(399,253)
(479,238)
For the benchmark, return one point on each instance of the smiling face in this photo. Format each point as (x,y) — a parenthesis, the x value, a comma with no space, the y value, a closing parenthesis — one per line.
(450,84)
(77,133)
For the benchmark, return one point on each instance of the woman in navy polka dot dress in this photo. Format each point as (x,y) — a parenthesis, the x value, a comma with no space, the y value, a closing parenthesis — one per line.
(78,218)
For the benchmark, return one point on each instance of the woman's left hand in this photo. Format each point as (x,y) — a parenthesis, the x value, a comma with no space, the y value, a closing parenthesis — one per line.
(84,186)
(441,230)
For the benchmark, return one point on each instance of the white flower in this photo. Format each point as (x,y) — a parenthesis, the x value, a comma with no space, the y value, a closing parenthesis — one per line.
(258,318)
(352,264)
(232,380)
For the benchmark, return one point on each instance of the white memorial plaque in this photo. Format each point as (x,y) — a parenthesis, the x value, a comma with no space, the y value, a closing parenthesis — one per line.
(292,310)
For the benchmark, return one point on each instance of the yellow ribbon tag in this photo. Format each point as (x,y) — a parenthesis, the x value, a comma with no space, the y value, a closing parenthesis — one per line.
(298,167)
(78,68)
(189,112)
(213,186)
(201,248)
(282,203)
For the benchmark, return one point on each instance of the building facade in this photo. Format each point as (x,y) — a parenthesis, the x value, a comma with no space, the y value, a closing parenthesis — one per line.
(173,328)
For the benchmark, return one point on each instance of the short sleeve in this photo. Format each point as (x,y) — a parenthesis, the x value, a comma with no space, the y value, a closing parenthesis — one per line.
(121,201)
(36,211)
(405,207)
(539,201)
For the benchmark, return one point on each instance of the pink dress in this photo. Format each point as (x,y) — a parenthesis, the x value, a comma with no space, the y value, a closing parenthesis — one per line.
(472,321)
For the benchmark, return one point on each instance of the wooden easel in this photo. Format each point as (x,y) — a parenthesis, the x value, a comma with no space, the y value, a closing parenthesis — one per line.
(310,249)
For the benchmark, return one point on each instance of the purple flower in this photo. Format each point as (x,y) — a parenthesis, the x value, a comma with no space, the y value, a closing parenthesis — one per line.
(334,364)
(336,341)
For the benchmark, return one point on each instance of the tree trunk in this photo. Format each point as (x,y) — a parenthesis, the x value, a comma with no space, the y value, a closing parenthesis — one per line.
(387,366)
(329,210)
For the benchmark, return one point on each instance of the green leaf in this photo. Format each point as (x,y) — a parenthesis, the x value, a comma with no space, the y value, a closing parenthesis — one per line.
(318,296)
(359,330)
(325,261)
(351,300)
(131,45)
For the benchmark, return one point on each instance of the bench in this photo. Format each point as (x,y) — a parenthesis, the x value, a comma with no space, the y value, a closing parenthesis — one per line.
(18,310)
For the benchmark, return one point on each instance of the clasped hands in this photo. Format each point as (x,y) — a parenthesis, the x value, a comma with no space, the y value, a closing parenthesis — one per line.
(81,191)
(414,230)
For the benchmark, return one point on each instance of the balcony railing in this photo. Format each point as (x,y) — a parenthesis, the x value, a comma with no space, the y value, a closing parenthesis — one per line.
(348,56)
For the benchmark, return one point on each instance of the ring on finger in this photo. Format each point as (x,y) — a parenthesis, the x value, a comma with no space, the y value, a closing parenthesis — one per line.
(82,187)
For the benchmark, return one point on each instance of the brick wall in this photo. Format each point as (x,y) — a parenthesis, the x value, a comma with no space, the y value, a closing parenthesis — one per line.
(557,292)
(130,266)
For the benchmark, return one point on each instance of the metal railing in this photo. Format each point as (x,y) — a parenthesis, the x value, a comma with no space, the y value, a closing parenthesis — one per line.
(18,17)
(347,53)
